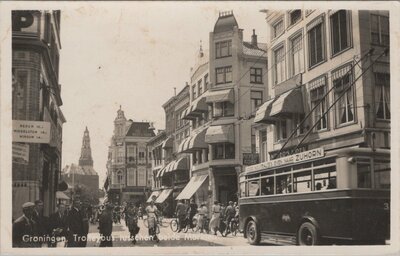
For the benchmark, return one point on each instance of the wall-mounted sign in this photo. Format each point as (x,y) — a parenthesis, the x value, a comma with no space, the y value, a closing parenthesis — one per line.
(250,158)
(295,158)
(30,131)
(20,153)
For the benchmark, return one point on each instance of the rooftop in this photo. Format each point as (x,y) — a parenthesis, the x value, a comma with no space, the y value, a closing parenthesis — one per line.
(226,22)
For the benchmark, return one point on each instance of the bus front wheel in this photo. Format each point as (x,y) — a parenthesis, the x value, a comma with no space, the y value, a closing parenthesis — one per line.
(307,234)
(253,233)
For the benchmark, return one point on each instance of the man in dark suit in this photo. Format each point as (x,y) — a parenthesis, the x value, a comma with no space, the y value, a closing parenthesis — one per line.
(105,226)
(23,228)
(75,225)
(58,224)
(42,222)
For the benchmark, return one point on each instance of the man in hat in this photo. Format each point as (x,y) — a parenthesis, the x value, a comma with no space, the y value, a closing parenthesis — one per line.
(23,229)
(105,226)
(42,222)
(75,225)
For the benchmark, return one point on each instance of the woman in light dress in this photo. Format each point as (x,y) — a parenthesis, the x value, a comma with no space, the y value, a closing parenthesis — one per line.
(216,213)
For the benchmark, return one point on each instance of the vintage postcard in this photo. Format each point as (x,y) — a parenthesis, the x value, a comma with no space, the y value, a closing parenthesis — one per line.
(162,127)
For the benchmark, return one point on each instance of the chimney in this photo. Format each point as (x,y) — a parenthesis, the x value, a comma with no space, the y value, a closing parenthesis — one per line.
(254,39)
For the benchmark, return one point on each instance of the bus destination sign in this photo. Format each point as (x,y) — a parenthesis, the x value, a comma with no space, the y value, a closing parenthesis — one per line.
(295,158)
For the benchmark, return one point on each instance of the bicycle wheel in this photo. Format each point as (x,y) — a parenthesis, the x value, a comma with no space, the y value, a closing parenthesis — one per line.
(174,225)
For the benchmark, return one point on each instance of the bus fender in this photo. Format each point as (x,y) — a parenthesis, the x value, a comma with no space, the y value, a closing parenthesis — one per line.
(308,219)
(251,217)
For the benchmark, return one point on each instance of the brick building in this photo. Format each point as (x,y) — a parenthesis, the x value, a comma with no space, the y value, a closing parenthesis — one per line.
(36,99)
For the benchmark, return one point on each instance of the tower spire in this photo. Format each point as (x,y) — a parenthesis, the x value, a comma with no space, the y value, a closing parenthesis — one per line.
(86,151)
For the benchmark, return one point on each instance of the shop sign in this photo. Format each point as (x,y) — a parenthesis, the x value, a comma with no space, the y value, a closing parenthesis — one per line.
(295,158)
(20,153)
(250,158)
(30,131)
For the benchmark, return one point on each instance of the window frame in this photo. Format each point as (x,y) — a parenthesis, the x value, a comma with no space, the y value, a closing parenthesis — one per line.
(291,56)
(274,26)
(383,87)
(349,33)
(290,24)
(255,100)
(218,49)
(255,75)
(224,73)
(379,15)
(279,47)
(323,42)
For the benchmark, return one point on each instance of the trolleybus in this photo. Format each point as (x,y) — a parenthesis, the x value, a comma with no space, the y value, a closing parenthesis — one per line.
(318,197)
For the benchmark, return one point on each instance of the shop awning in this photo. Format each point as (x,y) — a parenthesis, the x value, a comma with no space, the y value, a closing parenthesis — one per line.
(220,134)
(197,108)
(61,195)
(163,196)
(191,188)
(220,96)
(180,164)
(168,143)
(194,142)
(263,114)
(290,102)
(153,194)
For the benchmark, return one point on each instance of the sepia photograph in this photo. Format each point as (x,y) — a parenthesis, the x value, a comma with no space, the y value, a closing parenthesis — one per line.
(164,127)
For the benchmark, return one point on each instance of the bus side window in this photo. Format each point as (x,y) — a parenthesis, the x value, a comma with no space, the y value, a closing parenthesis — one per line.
(302,181)
(253,188)
(267,186)
(325,178)
(364,174)
(283,184)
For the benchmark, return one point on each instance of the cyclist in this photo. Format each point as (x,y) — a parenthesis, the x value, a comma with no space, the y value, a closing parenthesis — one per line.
(152,217)
(191,211)
(131,218)
(230,213)
(180,212)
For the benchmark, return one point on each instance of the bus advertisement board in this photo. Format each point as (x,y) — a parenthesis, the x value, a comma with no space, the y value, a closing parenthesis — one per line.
(295,158)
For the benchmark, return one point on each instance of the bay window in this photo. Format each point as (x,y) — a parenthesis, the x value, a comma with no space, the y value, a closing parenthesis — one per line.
(223,151)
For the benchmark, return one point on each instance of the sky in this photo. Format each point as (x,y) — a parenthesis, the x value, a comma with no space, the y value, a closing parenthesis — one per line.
(132,54)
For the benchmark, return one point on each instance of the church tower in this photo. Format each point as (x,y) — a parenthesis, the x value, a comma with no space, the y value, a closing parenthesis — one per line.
(86,152)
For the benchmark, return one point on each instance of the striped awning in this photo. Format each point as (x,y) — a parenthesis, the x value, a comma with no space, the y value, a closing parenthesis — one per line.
(153,194)
(220,96)
(194,142)
(263,114)
(220,134)
(290,102)
(197,108)
(163,196)
(168,143)
(191,188)
(180,164)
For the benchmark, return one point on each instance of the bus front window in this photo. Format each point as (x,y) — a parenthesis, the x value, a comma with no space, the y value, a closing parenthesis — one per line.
(364,174)
(382,174)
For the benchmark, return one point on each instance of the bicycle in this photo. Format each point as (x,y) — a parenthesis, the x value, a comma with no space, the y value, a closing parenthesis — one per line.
(231,227)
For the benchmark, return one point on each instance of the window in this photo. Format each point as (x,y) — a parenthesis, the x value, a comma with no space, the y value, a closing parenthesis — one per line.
(294,16)
(194,91)
(277,29)
(364,173)
(267,186)
(120,177)
(131,154)
(200,87)
(224,151)
(345,105)
(302,182)
(253,140)
(340,31)
(224,75)
(317,98)
(283,184)
(297,58)
(223,49)
(279,67)
(316,40)
(297,119)
(256,75)
(380,29)
(382,95)
(325,178)
(131,177)
(224,108)
(253,188)
(142,177)
(120,155)
(206,82)
(264,148)
(281,130)
(382,174)
(255,100)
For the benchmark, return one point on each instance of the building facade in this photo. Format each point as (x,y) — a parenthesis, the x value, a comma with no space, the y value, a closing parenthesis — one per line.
(129,161)
(83,173)
(36,101)
(227,86)
(314,56)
